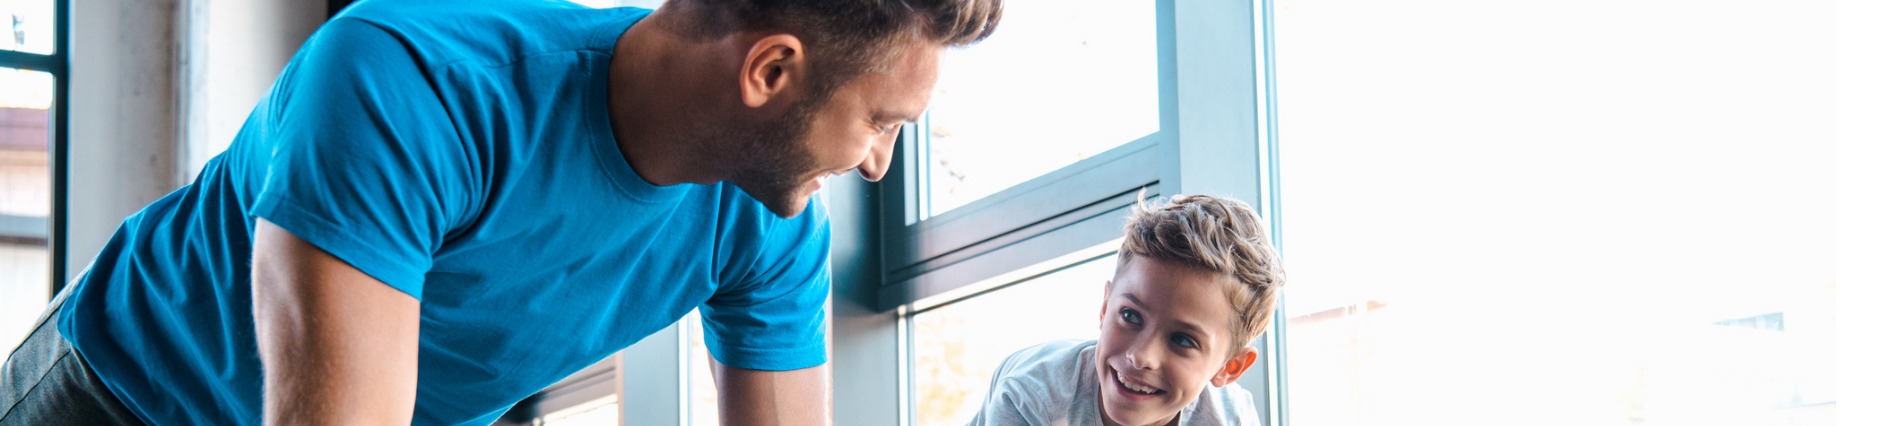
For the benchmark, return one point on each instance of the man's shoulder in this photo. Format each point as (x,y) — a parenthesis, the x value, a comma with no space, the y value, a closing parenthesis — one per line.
(490,31)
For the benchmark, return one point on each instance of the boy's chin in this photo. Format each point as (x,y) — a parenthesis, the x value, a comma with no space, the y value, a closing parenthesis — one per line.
(1128,416)
(1126,413)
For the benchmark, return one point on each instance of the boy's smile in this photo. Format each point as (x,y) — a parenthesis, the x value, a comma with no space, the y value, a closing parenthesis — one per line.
(1167,332)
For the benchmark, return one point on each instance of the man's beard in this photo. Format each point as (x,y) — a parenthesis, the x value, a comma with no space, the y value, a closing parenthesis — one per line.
(773,160)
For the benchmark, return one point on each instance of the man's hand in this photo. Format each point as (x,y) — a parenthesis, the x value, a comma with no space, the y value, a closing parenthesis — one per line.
(754,397)
(338,346)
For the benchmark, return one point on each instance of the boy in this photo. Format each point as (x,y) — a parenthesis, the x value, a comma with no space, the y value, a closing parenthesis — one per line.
(1196,281)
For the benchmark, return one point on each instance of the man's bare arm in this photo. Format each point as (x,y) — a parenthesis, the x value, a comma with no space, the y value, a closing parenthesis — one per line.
(754,397)
(338,346)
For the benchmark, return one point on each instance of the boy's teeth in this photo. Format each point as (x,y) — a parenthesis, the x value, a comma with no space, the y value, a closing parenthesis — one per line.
(1134,387)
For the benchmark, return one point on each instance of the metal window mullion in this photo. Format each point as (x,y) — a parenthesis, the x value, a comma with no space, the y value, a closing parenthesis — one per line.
(61,149)
(1277,401)
(1219,52)
(28,61)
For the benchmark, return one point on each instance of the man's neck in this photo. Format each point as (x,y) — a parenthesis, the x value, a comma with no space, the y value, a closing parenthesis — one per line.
(649,74)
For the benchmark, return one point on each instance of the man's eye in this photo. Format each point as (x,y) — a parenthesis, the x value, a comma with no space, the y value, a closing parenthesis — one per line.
(890,128)
(1184,341)
(1130,316)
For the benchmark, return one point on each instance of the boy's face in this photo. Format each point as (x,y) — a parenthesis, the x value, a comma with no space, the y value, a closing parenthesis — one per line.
(1166,333)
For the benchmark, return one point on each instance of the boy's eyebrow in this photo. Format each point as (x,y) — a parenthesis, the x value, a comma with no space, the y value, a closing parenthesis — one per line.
(1132,299)
(1192,327)
(1196,328)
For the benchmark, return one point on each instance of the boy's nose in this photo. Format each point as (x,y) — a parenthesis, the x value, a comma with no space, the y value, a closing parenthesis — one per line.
(1146,355)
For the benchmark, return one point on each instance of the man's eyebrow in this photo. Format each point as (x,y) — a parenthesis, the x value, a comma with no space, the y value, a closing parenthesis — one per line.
(886,117)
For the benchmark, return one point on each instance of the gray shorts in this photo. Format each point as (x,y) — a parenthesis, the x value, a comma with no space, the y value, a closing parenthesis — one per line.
(45,382)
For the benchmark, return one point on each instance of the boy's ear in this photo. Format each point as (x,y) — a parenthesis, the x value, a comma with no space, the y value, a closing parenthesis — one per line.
(1230,371)
(1102,317)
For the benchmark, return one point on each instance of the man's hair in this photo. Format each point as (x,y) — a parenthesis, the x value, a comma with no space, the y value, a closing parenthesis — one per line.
(845,39)
(1218,234)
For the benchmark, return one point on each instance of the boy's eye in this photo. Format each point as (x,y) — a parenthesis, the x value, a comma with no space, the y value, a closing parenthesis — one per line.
(1130,316)
(1183,340)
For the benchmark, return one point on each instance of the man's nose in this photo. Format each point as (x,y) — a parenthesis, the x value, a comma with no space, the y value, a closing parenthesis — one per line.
(878,161)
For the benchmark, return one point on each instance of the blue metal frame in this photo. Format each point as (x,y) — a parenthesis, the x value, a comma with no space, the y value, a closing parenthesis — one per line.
(1277,402)
(1060,212)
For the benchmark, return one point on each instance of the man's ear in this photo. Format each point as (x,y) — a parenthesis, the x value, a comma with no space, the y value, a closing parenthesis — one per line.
(1101,318)
(1230,371)
(773,67)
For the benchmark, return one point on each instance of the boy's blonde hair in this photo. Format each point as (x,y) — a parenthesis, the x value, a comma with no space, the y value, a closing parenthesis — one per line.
(1219,234)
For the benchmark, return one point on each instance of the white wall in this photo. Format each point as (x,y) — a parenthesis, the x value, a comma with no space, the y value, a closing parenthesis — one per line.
(123,117)
(135,97)
(241,47)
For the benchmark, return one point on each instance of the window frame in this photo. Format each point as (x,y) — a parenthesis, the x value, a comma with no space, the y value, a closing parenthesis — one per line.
(1063,211)
(57,64)
(1213,139)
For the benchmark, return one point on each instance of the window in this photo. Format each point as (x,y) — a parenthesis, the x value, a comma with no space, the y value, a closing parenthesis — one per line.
(31,146)
(702,405)
(1081,79)
(1601,213)
(26,199)
(957,347)
(1013,189)
(599,412)
(30,26)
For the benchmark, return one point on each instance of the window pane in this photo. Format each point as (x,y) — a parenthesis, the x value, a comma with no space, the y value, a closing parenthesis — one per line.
(957,347)
(703,396)
(1565,225)
(29,25)
(1078,78)
(26,201)
(599,412)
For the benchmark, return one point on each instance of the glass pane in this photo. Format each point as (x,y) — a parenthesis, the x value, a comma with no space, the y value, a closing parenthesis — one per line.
(1058,82)
(29,25)
(956,348)
(599,412)
(703,396)
(26,201)
(1563,226)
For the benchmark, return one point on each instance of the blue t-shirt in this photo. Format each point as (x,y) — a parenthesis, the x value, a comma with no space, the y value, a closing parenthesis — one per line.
(461,153)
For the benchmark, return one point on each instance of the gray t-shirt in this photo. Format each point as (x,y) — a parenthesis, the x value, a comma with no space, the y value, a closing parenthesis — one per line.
(1054,384)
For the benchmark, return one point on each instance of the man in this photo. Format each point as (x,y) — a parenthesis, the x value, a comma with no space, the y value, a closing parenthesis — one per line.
(441,208)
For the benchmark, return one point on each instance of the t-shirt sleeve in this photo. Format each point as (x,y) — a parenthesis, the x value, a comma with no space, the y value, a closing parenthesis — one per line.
(364,161)
(1001,409)
(1004,404)
(772,316)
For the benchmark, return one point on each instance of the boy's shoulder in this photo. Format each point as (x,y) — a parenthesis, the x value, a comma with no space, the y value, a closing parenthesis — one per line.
(1041,385)
(1061,359)
(1054,383)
